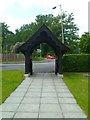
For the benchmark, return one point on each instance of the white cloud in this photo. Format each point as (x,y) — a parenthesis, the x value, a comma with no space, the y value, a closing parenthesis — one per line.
(25,3)
(16,23)
(32,3)
(78,7)
(5,4)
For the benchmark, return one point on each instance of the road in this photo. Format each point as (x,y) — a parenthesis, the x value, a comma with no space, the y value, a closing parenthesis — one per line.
(43,67)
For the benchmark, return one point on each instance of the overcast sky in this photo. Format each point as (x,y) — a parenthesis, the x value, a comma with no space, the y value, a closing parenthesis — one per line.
(18,12)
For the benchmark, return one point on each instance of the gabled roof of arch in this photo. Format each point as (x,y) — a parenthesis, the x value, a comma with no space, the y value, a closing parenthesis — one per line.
(43,34)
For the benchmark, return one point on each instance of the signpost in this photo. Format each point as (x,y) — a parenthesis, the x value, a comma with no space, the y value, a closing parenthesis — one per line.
(39,51)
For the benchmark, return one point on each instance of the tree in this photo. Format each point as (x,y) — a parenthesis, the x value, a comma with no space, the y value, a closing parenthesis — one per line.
(44,19)
(6,36)
(54,23)
(25,32)
(71,36)
(84,43)
(70,28)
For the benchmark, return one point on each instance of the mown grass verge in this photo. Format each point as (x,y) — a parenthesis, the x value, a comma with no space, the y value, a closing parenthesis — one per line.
(10,81)
(78,85)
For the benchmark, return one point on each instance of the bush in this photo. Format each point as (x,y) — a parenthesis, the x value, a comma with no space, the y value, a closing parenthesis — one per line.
(37,58)
(76,63)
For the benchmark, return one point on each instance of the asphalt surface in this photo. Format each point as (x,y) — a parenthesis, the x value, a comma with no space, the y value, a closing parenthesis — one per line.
(38,67)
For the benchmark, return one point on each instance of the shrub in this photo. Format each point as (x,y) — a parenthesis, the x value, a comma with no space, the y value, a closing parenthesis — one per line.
(76,63)
(38,58)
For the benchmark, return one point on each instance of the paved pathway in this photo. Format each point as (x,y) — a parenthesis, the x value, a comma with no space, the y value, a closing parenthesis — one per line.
(41,96)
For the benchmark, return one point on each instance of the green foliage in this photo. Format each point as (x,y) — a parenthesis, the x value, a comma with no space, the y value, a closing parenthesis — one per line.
(25,32)
(38,58)
(84,43)
(54,23)
(46,50)
(76,62)
(70,28)
(7,36)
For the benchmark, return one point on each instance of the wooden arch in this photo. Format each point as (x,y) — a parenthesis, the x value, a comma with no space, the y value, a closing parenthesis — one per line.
(43,35)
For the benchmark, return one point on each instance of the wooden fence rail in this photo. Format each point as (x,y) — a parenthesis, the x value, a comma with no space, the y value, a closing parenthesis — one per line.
(11,57)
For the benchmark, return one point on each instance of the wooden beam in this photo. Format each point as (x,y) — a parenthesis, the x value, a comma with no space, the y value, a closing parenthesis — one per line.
(60,71)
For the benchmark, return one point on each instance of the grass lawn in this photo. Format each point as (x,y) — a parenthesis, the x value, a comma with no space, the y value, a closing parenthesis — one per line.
(0,86)
(10,80)
(37,58)
(78,85)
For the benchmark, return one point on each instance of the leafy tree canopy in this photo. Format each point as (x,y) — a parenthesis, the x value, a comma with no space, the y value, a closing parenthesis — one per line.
(84,43)
(54,23)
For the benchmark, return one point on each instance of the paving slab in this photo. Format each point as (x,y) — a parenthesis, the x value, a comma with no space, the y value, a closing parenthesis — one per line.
(48,84)
(33,94)
(23,87)
(48,87)
(49,90)
(14,100)
(67,100)
(50,115)
(49,100)
(42,95)
(21,90)
(50,108)
(8,114)
(26,115)
(35,87)
(9,107)
(75,115)
(61,90)
(29,100)
(28,108)
(0,115)
(26,84)
(50,94)
(61,87)
(60,84)
(64,95)
(34,90)
(70,108)
(1,107)
(18,94)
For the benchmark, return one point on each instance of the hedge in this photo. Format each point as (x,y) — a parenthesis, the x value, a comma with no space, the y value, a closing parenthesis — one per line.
(76,63)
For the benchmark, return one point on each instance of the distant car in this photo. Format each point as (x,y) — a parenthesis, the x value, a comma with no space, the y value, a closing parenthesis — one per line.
(50,57)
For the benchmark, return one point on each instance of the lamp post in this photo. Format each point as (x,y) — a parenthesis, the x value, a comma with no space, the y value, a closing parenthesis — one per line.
(61,21)
(40,51)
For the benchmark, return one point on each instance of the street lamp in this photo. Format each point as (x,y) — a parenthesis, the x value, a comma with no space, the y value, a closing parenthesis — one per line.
(61,22)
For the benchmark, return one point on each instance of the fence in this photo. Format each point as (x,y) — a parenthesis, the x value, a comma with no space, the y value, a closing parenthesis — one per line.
(12,57)
(0,57)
